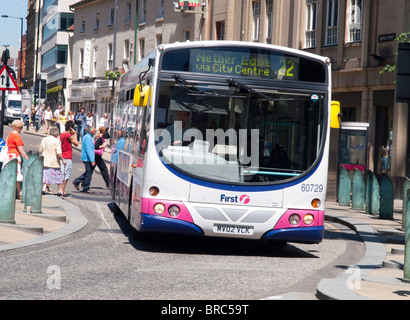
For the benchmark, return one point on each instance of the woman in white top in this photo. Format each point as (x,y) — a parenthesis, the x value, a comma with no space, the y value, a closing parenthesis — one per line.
(89,120)
(48,117)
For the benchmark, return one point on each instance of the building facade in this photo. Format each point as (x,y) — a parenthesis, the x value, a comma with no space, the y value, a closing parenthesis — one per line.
(106,37)
(358,36)
(47,48)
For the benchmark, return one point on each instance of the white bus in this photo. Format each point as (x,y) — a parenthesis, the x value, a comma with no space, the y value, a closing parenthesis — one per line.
(224,139)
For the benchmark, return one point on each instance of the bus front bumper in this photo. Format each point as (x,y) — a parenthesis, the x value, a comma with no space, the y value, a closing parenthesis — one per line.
(151,223)
(308,235)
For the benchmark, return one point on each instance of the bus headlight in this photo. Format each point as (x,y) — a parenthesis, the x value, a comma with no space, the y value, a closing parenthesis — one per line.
(173,211)
(308,219)
(294,219)
(159,208)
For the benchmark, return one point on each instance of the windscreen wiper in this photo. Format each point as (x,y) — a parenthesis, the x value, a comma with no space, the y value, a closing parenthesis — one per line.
(197,92)
(233,83)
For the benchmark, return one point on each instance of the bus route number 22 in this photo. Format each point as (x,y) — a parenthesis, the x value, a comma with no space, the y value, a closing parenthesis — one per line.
(311,187)
(287,69)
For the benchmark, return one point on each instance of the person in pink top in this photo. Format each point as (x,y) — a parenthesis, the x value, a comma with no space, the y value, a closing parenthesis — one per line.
(67,138)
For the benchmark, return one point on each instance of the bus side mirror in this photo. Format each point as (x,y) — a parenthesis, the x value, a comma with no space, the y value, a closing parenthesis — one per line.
(335,115)
(142,95)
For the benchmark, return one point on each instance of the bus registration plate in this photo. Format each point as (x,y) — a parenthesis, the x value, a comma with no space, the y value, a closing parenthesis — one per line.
(231,229)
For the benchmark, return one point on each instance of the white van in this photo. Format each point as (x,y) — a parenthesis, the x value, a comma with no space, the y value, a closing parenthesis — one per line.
(13,108)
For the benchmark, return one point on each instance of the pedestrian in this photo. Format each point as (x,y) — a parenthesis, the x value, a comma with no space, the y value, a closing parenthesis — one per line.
(80,122)
(63,120)
(385,153)
(26,116)
(39,117)
(104,122)
(100,144)
(68,138)
(70,116)
(57,117)
(88,158)
(50,147)
(16,151)
(33,115)
(89,120)
(48,117)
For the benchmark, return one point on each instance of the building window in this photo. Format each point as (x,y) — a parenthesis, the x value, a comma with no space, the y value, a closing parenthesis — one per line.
(81,64)
(142,48)
(159,39)
(110,57)
(161,9)
(60,22)
(220,30)
(256,20)
(354,20)
(187,35)
(311,23)
(47,4)
(66,21)
(95,61)
(128,12)
(126,49)
(332,22)
(143,11)
(57,55)
(111,17)
(82,30)
(269,19)
(97,21)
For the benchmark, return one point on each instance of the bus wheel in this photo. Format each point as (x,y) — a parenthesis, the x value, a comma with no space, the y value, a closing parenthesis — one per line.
(117,211)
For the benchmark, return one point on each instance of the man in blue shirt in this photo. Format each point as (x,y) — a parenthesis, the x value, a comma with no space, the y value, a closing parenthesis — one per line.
(88,158)
(80,122)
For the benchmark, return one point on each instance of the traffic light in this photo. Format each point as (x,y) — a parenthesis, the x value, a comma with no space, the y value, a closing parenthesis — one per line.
(24,83)
(403,73)
(40,88)
(5,56)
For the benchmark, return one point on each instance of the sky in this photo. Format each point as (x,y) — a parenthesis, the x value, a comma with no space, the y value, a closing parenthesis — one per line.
(10,27)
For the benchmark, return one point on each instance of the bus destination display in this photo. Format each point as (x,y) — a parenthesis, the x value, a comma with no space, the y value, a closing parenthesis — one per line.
(244,64)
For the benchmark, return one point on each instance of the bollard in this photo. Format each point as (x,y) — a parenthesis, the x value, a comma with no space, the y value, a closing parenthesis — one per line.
(34,186)
(406,276)
(372,194)
(386,198)
(345,187)
(24,168)
(8,179)
(406,188)
(358,189)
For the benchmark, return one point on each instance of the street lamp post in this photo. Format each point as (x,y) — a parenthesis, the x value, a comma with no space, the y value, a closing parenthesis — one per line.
(21,46)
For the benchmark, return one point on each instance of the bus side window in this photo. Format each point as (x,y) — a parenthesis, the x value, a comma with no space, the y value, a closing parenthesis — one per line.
(144,128)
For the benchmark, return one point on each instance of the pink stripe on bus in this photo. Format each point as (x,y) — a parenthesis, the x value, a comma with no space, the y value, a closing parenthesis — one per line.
(147,207)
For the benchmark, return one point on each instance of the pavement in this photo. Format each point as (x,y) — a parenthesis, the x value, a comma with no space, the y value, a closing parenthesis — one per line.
(378,276)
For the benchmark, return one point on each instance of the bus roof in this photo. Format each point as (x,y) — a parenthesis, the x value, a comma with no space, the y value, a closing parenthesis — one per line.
(220,43)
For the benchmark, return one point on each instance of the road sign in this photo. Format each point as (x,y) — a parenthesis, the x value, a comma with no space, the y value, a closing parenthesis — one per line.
(7,82)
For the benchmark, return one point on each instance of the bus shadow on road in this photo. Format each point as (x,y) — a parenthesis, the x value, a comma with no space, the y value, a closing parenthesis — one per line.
(172,243)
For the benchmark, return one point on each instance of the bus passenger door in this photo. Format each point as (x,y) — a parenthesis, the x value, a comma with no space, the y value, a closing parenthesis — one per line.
(138,160)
